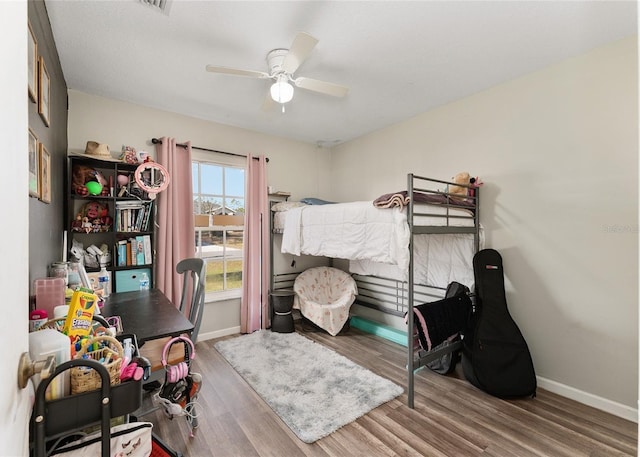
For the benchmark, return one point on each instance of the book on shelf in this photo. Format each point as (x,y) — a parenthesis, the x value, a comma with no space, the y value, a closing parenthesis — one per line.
(133,215)
(137,226)
(134,251)
(128,247)
(147,218)
(148,257)
(121,253)
(140,257)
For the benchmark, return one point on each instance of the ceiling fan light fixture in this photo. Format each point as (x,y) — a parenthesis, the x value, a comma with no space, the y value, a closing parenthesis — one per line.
(281,90)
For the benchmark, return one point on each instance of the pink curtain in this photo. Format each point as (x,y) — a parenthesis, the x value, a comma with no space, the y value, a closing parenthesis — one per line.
(254,307)
(175,237)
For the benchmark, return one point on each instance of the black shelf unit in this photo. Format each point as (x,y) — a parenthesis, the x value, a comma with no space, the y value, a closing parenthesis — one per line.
(107,228)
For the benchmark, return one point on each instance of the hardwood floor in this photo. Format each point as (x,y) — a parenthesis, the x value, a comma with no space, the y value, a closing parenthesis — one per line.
(451,417)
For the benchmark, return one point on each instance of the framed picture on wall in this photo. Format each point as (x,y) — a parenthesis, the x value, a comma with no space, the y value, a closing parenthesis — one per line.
(34,166)
(45,174)
(44,92)
(32,69)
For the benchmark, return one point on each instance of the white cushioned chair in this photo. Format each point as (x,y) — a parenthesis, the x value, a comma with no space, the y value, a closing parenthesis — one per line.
(324,295)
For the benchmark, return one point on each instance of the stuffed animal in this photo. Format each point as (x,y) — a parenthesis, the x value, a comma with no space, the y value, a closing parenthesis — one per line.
(129,155)
(92,217)
(82,174)
(461,178)
(475,183)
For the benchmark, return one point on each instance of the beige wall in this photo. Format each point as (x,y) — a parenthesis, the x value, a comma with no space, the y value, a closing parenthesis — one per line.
(558,152)
(297,167)
(294,166)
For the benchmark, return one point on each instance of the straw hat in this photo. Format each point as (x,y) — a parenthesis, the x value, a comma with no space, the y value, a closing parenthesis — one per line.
(95,150)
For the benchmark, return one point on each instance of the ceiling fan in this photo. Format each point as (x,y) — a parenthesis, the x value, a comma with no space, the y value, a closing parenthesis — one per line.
(283,63)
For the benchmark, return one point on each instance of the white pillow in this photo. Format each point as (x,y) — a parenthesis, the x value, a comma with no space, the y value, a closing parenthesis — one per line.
(285,206)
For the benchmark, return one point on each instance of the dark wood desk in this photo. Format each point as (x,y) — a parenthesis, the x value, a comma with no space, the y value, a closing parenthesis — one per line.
(148,314)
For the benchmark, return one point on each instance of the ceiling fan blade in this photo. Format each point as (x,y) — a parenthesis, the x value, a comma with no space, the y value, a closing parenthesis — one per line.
(300,49)
(237,72)
(323,87)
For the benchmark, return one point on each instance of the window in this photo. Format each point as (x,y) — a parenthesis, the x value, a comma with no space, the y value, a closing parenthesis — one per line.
(218,204)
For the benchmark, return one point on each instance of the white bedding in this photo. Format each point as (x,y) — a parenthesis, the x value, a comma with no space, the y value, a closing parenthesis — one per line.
(354,231)
(376,240)
(435,217)
(438,260)
(278,221)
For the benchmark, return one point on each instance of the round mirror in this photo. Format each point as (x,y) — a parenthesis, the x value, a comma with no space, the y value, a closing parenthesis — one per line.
(152,178)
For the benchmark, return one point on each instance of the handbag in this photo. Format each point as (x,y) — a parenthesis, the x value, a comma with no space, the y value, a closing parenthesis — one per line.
(127,440)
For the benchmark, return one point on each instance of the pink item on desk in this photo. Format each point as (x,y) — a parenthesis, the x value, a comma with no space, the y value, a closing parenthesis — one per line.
(49,293)
(37,317)
(131,371)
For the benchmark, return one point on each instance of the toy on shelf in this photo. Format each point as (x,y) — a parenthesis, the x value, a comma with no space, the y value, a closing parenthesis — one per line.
(93,187)
(92,218)
(88,181)
(132,157)
(129,155)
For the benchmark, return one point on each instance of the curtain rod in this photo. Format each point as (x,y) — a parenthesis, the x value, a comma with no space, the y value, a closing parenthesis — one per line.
(159,141)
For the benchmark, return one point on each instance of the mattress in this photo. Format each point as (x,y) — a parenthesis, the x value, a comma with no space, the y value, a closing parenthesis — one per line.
(438,260)
(432,215)
(352,231)
(278,221)
(438,215)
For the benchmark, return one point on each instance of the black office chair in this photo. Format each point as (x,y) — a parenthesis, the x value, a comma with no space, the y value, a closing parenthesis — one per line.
(193,273)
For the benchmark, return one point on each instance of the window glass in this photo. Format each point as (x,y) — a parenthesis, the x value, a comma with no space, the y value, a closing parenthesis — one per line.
(219,190)
(211,179)
(234,181)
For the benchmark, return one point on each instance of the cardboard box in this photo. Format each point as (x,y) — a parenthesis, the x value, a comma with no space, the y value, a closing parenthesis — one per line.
(201,220)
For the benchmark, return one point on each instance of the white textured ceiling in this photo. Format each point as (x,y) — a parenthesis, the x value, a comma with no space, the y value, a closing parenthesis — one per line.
(398,58)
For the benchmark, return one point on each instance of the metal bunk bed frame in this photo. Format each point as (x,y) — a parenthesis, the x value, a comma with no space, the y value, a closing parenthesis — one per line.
(425,358)
(390,295)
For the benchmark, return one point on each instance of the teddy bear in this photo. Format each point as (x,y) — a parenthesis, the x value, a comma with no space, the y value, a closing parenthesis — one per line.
(463,178)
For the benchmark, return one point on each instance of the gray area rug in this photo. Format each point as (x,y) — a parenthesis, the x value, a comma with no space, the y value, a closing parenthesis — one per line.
(313,389)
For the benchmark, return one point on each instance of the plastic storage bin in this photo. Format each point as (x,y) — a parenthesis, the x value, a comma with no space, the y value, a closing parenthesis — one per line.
(49,293)
(44,343)
(129,280)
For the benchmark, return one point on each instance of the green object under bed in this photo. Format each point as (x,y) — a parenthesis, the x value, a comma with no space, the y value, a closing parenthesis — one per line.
(378,329)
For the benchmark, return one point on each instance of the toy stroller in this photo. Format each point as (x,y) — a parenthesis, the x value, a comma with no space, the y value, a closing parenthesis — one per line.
(180,388)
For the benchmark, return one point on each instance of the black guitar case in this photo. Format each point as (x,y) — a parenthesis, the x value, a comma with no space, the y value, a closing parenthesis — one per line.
(495,355)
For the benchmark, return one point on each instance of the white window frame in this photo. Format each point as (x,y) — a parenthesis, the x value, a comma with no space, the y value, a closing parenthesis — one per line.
(227,162)
(227,293)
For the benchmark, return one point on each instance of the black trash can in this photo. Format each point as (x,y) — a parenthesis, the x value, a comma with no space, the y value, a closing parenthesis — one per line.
(281,310)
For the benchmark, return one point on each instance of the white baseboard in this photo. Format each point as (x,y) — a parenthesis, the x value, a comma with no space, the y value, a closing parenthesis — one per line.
(218,333)
(609,406)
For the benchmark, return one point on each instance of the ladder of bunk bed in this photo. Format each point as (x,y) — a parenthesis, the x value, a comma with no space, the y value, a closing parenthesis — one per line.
(410,324)
(414,230)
